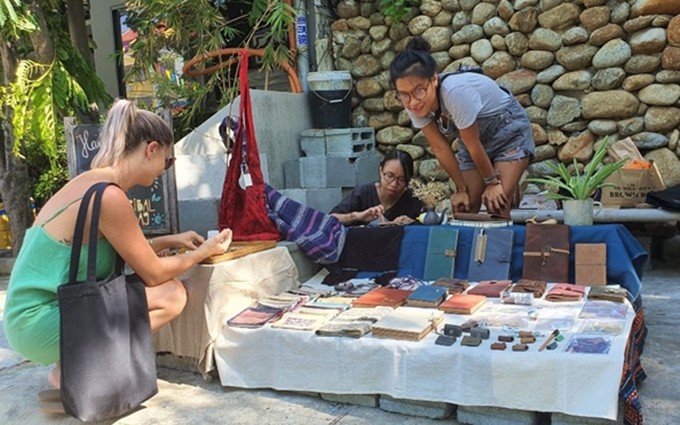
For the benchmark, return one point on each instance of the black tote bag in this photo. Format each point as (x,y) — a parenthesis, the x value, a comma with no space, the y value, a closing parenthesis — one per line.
(106,350)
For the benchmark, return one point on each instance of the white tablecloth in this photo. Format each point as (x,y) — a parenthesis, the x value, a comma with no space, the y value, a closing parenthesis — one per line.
(217,292)
(548,381)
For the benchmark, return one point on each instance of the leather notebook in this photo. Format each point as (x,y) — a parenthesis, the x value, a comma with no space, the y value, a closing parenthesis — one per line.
(590,264)
(440,258)
(462,304)
(566,292)
(490,288)
(427,296)
(536,287)
(491,254)
(382,297)
(546,253)
(454,286)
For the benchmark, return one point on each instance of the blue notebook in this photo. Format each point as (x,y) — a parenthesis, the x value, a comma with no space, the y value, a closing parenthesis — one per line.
(491,254)
(427,296)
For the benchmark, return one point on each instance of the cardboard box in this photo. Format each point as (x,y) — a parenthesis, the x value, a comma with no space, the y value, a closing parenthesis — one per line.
(631,186)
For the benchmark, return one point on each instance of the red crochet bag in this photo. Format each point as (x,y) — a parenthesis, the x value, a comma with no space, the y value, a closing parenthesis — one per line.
(243,207)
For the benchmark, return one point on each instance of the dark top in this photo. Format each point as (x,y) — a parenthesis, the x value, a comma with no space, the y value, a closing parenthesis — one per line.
(366,196)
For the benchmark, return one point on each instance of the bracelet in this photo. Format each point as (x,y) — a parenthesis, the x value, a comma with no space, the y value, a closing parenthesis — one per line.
(463,190)
(494,182)
(493,178)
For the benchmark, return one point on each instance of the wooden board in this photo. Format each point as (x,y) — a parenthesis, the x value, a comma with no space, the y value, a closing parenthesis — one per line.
(240,249)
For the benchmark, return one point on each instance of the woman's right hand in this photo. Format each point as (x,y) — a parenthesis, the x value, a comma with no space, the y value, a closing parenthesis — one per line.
(460,202)
(218,244)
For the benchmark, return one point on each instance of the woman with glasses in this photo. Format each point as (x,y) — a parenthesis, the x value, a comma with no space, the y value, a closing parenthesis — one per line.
(495,133)
(388,200)
(135,149)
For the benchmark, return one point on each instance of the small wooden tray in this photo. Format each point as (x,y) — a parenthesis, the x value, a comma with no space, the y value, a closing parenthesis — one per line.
(240,249)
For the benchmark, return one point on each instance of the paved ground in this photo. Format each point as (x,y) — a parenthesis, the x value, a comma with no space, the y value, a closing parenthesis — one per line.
(185,397)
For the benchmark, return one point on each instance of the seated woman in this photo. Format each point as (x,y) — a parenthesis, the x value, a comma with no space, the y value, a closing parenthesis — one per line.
(389,199)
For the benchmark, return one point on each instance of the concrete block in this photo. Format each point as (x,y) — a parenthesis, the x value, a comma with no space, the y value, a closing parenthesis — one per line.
(200,214)
(343,142)
(427,409)
(321,199)
(368,400)
(485,415)
(564,419)
(291,174)
(306,268)
(367,168)
(318,172)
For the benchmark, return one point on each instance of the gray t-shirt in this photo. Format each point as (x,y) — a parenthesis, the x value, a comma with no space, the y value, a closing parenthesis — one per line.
(465,97)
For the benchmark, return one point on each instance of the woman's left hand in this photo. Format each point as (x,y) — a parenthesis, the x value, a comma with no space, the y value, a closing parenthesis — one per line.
(494,198)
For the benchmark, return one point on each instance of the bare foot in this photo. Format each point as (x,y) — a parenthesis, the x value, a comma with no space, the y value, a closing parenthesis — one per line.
(54,377)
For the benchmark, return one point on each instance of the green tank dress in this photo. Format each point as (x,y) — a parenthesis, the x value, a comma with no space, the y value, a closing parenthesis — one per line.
(31,317)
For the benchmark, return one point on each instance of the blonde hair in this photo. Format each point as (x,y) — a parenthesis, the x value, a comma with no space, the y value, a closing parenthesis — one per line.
(125,128)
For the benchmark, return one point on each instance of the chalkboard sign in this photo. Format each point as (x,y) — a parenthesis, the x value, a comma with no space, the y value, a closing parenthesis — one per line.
(155,206)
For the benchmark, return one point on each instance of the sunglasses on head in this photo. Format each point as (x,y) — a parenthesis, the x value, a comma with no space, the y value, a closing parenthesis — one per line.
(169,161)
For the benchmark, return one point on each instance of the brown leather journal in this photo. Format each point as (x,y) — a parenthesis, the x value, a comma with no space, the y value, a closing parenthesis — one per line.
(490,288)
(566,292)
(382,297)
(536,287)
(546,253)
(590,264)
(453,286)
(462,304)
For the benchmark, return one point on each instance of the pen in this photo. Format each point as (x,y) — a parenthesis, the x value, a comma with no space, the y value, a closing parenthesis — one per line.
(548,340)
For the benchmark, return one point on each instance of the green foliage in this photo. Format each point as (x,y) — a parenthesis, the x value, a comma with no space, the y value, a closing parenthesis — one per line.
(580,185)
(395,9)
(15,19)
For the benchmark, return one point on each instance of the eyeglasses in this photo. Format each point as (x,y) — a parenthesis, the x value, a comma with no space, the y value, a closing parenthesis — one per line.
(418,93)
(390,178)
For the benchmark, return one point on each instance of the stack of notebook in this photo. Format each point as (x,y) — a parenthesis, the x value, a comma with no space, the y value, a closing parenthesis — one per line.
(463,303)
(354,323)
(427,296)
(408,323)
(382,296)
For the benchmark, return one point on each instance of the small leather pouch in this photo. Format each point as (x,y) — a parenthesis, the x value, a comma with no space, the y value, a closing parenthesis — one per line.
(471,341)
(452,330)
(536,287)
(524,334)
(490,288)
(498,346)
(566,292)
(528,340)
(445,340)
(607,293)
(520,347)
(480,332)
(453,286)
(506,338)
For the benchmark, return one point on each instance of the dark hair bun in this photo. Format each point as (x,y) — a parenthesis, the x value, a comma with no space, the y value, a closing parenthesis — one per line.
(418,43)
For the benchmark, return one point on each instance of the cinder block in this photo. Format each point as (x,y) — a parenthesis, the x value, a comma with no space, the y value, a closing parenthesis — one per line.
(368,400)
(291,174)
(427,409)
(366,168)
(200,215)
(320,199)
(486,415)
(344,142)
(319,172)
(563,419)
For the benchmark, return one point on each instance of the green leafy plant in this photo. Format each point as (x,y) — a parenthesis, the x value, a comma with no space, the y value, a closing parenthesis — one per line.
(580,184)
(395,9)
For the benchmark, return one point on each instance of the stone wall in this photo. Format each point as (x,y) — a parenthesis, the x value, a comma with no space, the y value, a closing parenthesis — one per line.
(583,69)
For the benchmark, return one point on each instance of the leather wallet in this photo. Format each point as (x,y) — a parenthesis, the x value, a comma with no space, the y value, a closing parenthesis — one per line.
(454,286)
(608,293)
(445,340)
(506,338)
(546,252)
(536,287)
(440,258)
(498,346)
(491,254)
(566,292)
(490,288)
(480,332)
(590,264)
(520,347)
(471,341)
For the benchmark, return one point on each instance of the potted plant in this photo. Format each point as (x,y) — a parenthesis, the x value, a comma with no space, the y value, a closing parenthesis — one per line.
(575,189)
